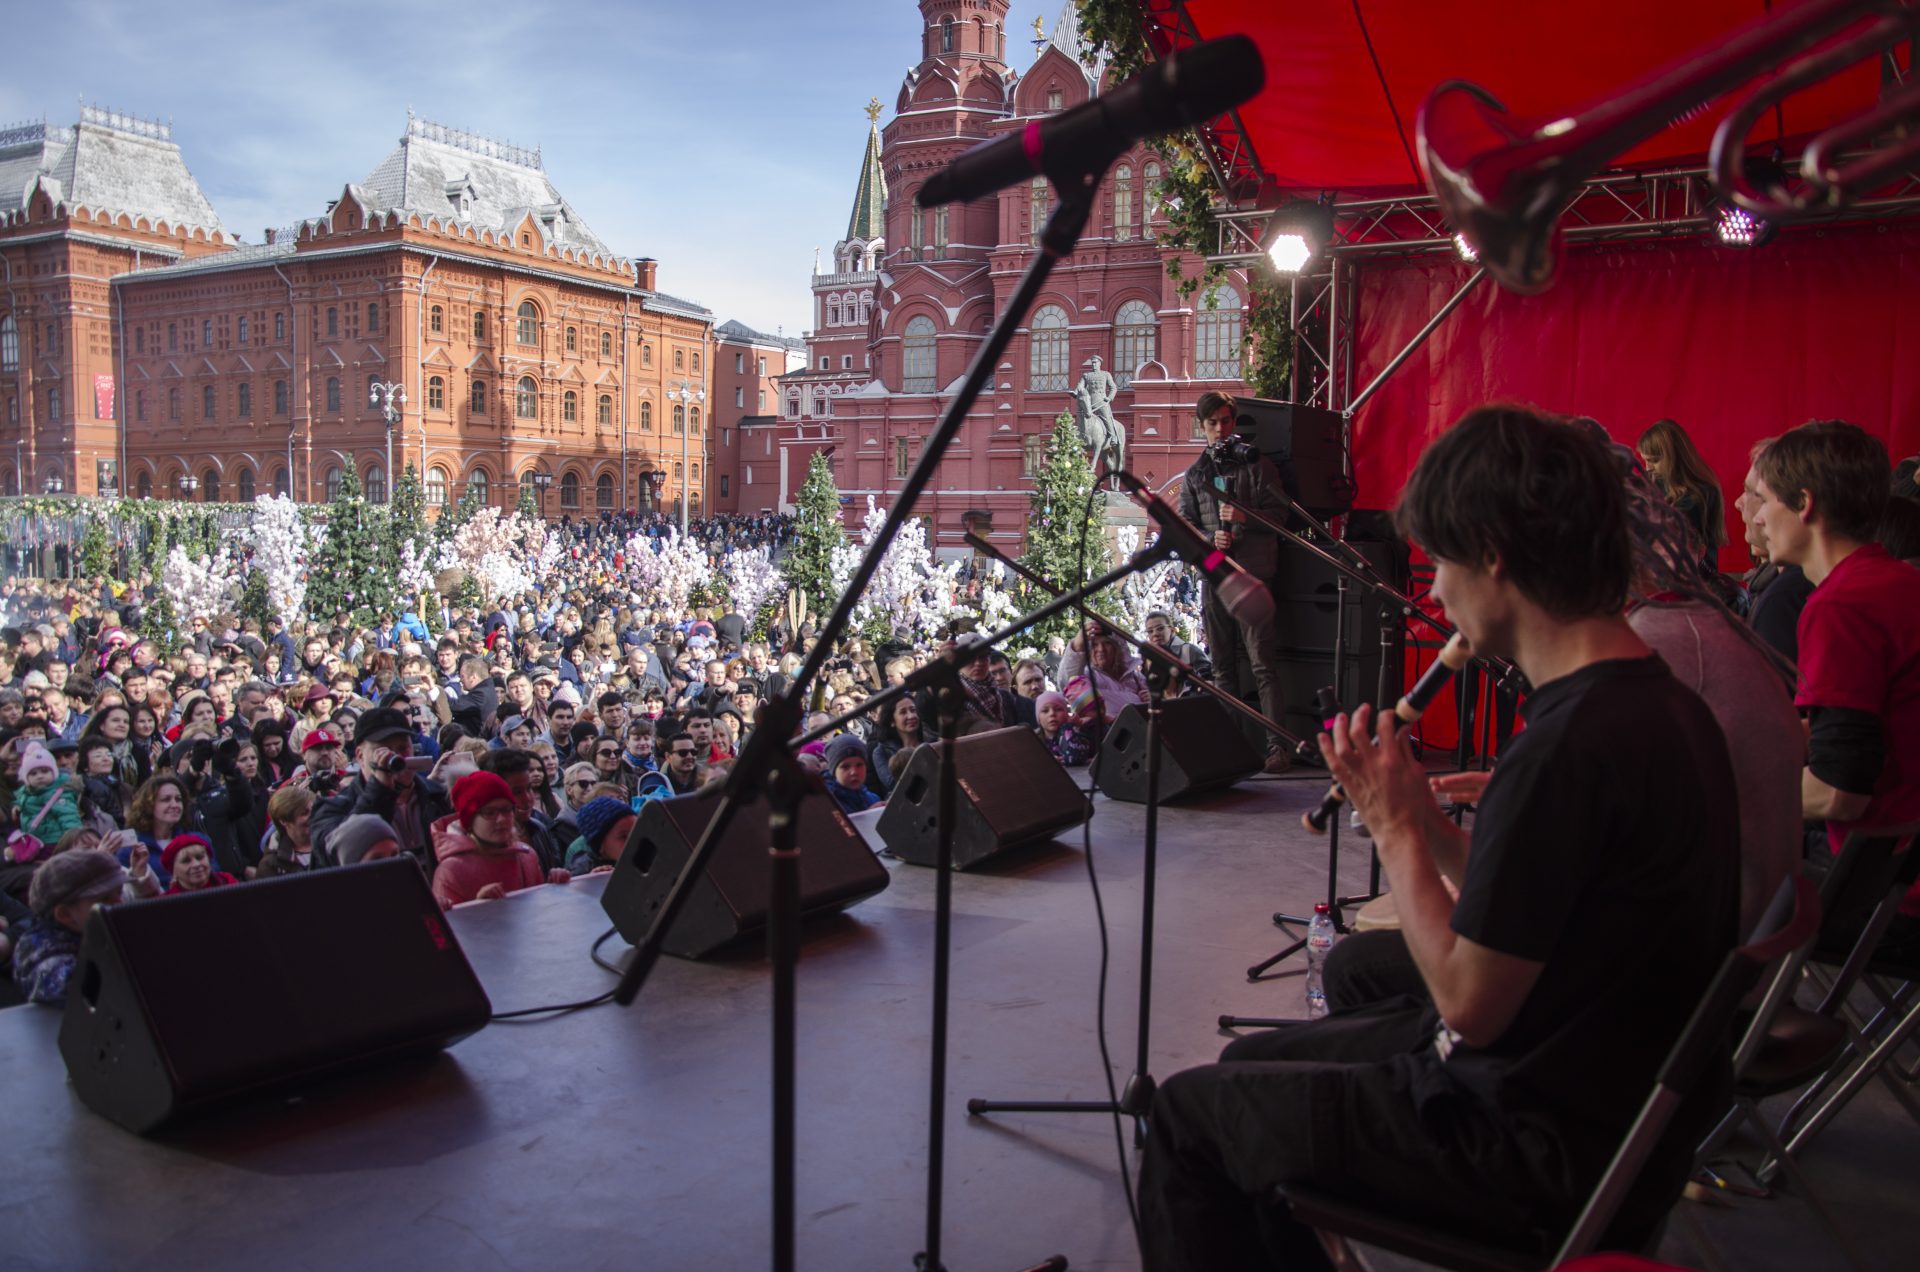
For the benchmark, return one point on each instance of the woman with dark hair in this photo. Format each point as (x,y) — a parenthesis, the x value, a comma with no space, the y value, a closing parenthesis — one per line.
(1688,483)
(277,760)
(144,734)
(100,771)
(113,724)
(161,809)
(899,731)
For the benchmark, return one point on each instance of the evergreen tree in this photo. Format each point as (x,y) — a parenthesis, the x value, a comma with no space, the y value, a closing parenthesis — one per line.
(528,507)
(349,571)
(255,601)
(159,624)
(96,553)
(453,518)
(407,514)
(1060,517)
(808,564)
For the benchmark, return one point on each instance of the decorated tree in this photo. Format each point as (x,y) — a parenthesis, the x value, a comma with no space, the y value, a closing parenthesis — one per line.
(349,569)
(280,547)
(463,510)
(817,532)
(96,554)
(753,584)
(200,587)
(1066,529)
(159,623)
(487,547)
(1151,590)
(904,593)
(408,543)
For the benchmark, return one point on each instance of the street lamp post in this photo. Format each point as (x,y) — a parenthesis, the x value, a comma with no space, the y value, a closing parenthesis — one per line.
(542,480)
(188,484)
(654,481)
(390,397)
(685,394)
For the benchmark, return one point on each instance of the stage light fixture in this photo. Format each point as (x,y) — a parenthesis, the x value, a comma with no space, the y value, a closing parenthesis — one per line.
(1297,231)
(1734,226)
(1467,251)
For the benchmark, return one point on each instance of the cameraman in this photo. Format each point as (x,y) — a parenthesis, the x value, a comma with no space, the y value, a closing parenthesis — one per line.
(1232,466)
(386,787)
(220,796)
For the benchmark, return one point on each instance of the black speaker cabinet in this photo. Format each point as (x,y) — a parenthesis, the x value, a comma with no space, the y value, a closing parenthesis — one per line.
(1306,597)
(729,899)
(183,1003)
(1009,791)
(1201,749)
(1308,446)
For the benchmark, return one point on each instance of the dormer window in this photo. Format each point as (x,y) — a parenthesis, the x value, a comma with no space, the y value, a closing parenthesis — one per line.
(1054,99)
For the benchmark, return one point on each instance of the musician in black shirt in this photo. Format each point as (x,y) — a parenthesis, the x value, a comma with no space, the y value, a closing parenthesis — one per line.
(1598,897)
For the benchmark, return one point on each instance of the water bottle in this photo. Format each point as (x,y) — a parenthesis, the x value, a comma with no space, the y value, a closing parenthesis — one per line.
(1319,941)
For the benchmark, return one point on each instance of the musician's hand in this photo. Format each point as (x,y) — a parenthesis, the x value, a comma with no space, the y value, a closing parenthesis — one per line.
(1374,761)
(1223,539)
(1461,788)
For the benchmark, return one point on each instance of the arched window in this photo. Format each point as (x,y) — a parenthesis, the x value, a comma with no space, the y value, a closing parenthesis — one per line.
(679,419)
(1037,210)
(246,485)
(1216,336)
(917,374)
(281,484)
(9,344)
(695,473)
(243,331)
(479,326)
(477,399)
(679,473)
(693,419)
(436,393)
(1047,351)
(373,318)
(333,395)
(376,484)
(1133,340)
(646,417)
(603,493)
(206,402)
(527,328)
(210,486)
(477,485)
(573,339)
(526,398)
(833,314)
(436,320)
(437,487)
(946,35)
(173,404)
(606,344)
(333,483)
(646,355)
(1123,202)
(243,401)
(604,414)
(142,487)
(280,327)
(1150,192)
(569,406)
(940,233)
(679,359)
(569,490)
(53,404)
(916,230)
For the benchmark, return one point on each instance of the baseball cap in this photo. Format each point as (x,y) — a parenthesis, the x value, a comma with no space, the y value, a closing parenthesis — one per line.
(320,737)
(380,724)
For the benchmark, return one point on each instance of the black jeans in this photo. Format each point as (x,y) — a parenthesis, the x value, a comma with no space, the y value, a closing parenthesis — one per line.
(1356,1105)
(1366,967)
(1228,643)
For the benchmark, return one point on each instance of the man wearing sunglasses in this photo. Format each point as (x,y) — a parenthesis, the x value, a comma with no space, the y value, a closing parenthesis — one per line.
(683,764)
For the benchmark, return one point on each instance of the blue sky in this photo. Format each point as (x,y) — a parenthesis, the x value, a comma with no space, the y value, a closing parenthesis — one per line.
(723,140)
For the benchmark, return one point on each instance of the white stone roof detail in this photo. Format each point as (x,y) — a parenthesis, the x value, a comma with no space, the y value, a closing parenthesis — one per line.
(107,162)
(434,165)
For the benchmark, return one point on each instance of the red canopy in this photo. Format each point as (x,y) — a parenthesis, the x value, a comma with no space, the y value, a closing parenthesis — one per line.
(1345,78)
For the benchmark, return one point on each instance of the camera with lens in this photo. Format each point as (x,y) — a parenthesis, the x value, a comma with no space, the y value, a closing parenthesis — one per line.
(391,763)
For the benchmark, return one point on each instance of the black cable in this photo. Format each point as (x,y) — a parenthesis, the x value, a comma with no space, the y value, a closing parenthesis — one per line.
(1093,881)
(560,1009)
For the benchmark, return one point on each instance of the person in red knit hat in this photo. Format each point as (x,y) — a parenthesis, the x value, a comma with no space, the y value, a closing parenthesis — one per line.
(480,860)
(188,859)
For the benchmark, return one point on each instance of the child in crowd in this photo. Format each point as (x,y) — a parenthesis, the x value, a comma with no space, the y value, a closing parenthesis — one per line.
(1071,744)
(479,858)
(605,823)
(846,773)
(64,892)
(46,806)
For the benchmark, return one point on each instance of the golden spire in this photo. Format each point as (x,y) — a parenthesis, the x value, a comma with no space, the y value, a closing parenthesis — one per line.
(873,110)
(1039,31)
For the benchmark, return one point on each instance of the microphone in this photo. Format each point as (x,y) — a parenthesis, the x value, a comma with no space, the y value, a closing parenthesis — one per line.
(1453,656)
(1239,593)
(1189,88)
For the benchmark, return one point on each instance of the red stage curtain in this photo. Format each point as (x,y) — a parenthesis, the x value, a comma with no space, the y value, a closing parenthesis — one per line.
(1735,346)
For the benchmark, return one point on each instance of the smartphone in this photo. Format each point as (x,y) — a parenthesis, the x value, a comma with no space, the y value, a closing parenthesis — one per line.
(420,763)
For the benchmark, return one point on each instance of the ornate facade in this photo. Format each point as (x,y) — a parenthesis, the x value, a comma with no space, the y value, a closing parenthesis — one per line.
(877,381)
(455,280)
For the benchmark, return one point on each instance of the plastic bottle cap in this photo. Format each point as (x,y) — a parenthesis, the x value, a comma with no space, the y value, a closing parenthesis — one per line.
(1320,907)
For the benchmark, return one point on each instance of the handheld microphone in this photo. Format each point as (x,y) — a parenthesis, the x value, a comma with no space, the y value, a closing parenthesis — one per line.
(1453,656)
(1239,593)
(1189,88)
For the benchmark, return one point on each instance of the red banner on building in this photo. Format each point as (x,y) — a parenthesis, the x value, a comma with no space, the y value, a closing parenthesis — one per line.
(102,397)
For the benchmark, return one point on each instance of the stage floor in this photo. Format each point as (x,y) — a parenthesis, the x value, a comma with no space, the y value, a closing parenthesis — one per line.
(639,1138)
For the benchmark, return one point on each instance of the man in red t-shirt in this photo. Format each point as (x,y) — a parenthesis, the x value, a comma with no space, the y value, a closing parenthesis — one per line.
(1822,488)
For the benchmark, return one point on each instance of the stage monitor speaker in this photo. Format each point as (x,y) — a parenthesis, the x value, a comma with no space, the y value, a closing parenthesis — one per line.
(1201,749)
(1306,593)
(1009,791)
(187,1002)
(729,899)
(1308,446)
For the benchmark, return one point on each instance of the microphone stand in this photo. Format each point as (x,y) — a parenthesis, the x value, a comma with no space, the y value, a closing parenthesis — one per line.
(1188,675)
(761,763)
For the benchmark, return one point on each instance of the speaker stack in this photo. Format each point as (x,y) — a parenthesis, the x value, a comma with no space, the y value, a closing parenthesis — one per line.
(1009,791)
(730,898)
(1201,749)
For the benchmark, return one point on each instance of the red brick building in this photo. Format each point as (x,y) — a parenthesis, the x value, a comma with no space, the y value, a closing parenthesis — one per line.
(745,462)
(881,371)
(455,276)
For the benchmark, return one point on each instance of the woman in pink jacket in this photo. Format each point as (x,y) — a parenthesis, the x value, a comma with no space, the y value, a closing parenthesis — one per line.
(479,859)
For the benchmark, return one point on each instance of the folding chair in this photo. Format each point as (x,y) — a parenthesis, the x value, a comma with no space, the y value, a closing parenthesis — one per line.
(1788,925)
